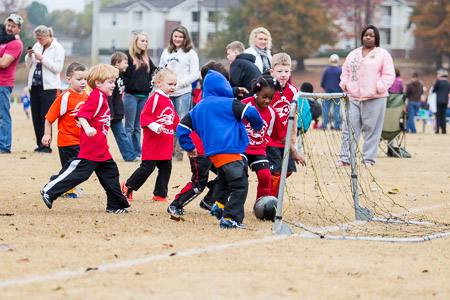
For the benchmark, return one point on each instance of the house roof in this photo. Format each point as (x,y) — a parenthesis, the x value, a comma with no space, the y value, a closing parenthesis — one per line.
(167,4)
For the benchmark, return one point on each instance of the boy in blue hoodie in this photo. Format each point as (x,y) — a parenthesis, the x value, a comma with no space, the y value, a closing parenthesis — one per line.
(217,120)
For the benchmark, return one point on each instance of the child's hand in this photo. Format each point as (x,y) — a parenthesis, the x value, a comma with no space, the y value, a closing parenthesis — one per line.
(299,159)
(192,153)
(242,91)
(160,129)
(90,131)
(46,140)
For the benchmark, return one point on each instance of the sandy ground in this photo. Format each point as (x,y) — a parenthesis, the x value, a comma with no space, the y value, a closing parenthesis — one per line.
(76,251)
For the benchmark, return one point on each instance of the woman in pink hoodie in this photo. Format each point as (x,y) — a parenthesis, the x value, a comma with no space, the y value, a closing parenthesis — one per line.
(367,74)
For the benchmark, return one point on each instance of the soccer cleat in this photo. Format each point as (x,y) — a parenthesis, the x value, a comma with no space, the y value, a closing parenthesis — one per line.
(117,211)
(69,195)
(204,205)
(176,213)
(231,224)
(126,191)
(216,211)
(47,200)
(161,199)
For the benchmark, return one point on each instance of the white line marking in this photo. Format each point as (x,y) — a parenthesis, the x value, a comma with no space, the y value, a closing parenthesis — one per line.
(132,262)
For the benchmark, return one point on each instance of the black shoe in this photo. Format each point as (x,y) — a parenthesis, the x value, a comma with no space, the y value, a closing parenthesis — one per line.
(45,150)
(231,224)
(117,211)
(205,205)
(176,213)
(47,200)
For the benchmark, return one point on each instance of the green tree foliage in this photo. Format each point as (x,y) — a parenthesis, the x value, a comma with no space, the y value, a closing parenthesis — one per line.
(298,27)
(64,22)
(432,20)
(37,13)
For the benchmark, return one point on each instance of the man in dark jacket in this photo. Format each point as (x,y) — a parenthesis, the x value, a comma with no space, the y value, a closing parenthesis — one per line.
(242,69)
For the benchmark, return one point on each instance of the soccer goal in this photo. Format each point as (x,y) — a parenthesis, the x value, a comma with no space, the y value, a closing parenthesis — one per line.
(345,202)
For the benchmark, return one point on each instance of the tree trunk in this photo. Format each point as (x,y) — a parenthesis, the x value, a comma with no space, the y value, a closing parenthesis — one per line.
(439,61)
(300,64)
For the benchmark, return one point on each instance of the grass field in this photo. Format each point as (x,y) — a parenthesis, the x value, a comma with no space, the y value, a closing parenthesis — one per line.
(76,251)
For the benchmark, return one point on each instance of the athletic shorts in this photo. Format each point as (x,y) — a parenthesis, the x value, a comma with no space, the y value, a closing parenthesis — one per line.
(275,156)
(256,162)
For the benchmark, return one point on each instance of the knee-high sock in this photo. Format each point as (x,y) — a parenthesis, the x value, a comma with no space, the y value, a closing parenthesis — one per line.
(263,188)
(275,183)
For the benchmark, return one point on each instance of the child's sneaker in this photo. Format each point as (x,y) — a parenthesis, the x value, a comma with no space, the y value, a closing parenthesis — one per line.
(176,213)
(161,199)
(204,205)
(216,211)
(126,191)
(224,223)
(117,211)
(47,200)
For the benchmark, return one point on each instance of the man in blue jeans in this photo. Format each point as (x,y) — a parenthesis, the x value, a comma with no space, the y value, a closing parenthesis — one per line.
(9,57)
(330,83)
(414,91)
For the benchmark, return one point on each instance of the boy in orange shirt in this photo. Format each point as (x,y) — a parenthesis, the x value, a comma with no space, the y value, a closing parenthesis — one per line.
(65,108)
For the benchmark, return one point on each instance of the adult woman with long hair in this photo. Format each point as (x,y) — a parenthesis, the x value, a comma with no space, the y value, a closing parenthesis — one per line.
(137,79)
(367,74)
(45,60)
(181,57)
(260,44)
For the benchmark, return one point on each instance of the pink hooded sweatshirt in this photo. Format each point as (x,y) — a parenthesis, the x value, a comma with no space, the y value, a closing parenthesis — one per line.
(367,77)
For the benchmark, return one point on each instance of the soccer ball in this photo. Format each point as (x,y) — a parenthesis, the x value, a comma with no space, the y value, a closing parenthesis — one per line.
(265,208)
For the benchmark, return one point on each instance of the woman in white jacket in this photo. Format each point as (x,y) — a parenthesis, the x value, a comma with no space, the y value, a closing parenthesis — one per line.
(45,62)
(260,44)
(181,57)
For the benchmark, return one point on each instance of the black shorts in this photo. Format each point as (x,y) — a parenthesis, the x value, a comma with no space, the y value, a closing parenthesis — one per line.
(256,162)
(275,156)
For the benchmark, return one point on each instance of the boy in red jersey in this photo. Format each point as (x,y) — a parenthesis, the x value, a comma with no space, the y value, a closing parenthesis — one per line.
(281,71)
(94,154)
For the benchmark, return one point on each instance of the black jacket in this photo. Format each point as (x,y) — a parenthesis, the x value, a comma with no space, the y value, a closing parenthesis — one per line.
(242,71)
(5,38)
(115,101)
(138,82)
(442,89)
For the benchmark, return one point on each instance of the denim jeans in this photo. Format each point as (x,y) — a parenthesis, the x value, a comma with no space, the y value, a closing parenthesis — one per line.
(413,108)
(5,119)
(336,113)
(182,104)
(125,147)
(133,106)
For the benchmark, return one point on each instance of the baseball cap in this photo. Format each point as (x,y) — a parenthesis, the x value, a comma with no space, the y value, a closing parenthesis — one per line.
(334,58)
(16,19)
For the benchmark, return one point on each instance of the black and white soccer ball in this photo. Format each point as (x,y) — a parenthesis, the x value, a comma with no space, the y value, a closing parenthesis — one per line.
(265,208)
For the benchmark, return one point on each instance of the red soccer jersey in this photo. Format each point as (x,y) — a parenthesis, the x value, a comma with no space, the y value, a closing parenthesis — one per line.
(282,105)
(96,111)
(158,111)
(65,108)
(272,126)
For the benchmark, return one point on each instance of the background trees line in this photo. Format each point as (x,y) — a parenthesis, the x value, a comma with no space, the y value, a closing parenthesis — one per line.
(298,27)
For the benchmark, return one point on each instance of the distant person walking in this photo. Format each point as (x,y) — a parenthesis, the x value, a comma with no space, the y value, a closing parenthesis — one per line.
(181,57)
(442,90)
(260,44)
(9,57)
(414,91)
(45,62)
(138,77)
(367,74)
(330,83)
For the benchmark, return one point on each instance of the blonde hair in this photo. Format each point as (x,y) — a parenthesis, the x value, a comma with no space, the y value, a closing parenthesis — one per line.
(255,32)
(43,30)
(118,57)
(137,54)
(162,73)
(101,72)
(236,46)
(282,59)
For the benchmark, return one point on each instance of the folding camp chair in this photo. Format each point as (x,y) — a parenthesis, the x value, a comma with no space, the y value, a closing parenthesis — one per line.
(393,137)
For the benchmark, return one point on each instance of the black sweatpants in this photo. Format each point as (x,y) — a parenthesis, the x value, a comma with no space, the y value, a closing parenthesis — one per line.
(68,153)
(200,167)
(140,176)
(231,189)
(441,122)
(79,170)
(40,102)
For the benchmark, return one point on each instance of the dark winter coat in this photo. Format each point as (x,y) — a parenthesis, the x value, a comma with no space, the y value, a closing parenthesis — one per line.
(242,71)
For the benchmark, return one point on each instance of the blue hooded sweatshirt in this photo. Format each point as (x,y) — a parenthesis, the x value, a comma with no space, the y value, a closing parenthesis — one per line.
(217,119)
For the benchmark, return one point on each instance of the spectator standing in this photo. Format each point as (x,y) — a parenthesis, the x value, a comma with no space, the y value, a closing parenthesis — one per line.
(330,83)
(45,62)
(442,90)
(414,91)
(9,57)
(181,57)
(260,44)
(138,77)
(242,69)
(367,74)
